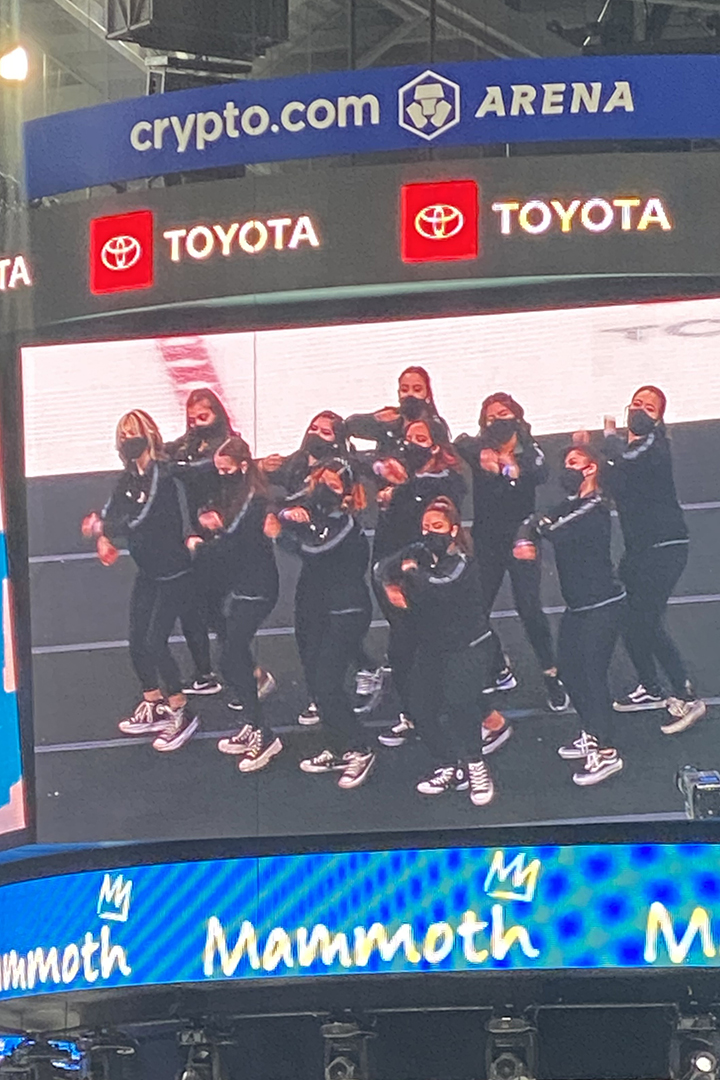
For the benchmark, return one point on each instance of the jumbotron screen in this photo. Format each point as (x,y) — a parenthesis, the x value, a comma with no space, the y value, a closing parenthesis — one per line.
(13,806)
(375,577)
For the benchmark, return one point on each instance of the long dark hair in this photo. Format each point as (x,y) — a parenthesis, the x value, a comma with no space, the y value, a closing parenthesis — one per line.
(445,457)
(415,369)
(204,393)
(233,496)
(337,424)
(501,398)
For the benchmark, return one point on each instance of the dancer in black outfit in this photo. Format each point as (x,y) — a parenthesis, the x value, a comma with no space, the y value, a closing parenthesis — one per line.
(426,467)
(235,561)
(149,510)
(332,609)
(208,426)
(437,585)
(579,530)
(639,476)
(325,440)
(386,427)
(507,467)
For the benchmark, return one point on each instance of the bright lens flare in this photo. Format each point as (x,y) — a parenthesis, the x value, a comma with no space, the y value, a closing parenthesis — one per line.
(14,65)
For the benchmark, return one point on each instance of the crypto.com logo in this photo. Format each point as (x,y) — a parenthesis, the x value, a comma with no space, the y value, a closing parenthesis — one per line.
(429,105)
(439,221)
(121,252)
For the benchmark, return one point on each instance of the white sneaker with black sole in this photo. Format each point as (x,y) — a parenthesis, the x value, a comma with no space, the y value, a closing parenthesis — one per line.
(482,789)
(493,739)
(683,714)
(599,765)
(179,728)
(206,685)
(259,751)
(579,749)
(266,685)
(446,778)
(238,743)
(324,762)
(358,766)
(640,699)
(399,733)
(310,716)
(146,720)
(369,686)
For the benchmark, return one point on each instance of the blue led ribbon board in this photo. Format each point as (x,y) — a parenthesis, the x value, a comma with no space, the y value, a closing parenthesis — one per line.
(300,916)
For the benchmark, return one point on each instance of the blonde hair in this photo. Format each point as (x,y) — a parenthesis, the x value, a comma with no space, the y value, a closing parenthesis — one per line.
(137,422)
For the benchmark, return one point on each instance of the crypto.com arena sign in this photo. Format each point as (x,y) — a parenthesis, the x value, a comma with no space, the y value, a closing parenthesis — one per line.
(366,111)
(458,909)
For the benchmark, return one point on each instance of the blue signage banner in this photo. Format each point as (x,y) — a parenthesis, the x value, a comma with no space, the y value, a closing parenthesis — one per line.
(456,909)
(375,109)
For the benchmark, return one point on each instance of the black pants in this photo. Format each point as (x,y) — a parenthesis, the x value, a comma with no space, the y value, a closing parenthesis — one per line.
(154,607)
(196,633)
(402,647)
(650,577)
(585,647)
(239,618)
(494,561)
(448,701)
(329,641)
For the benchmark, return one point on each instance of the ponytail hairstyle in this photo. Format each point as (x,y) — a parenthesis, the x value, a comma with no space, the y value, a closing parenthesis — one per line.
(204,394)
(445,456)
(591,457)
(415,369)
(137,422)
(662,398)
(501,398)
(445,506)
(354,497)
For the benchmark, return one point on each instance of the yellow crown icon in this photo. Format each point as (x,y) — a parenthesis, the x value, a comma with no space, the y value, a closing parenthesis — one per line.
(516,881)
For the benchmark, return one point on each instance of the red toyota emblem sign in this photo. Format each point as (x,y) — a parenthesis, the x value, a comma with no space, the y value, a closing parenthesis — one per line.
(440,221)
(121,252)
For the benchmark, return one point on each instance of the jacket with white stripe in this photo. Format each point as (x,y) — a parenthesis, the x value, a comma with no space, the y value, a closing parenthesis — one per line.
(335,554)
(150,512)
(444,596)
(639,476)
(579,530)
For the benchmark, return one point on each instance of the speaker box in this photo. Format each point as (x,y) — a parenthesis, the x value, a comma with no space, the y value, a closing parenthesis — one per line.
(231,29)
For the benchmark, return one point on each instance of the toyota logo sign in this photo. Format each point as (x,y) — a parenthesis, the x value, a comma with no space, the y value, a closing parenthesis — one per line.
(121,252)
(439,222)
(439,210)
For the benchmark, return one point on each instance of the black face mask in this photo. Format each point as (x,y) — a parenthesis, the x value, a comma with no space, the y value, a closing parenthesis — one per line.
(639,422)
(437,543)
(412,408)
(499,432)
(230,481)
(133,448)
(326,500)
(319,448)
(416,456)
(203,432)
(571,480)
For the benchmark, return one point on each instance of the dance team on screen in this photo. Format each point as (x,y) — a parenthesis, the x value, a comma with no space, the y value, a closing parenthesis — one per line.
(201,518)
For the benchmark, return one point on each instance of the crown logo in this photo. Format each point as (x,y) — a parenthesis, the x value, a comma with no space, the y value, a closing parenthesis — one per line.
(114,899)
(516,881)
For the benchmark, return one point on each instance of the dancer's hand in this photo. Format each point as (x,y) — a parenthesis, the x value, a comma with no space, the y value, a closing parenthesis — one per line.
(107,552)
(193,542)
(489,460)
(272,527)
(396,596)
(92,526)
(525,550)
(298,514)
(210,520)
